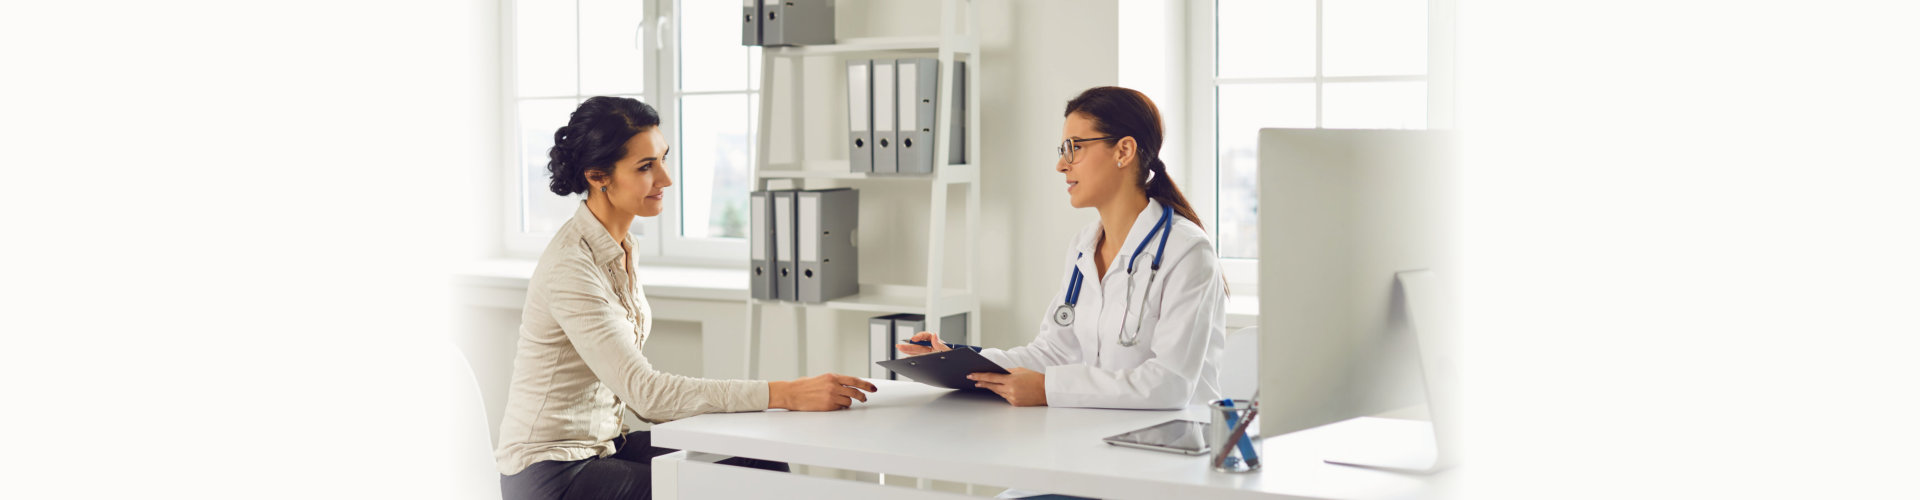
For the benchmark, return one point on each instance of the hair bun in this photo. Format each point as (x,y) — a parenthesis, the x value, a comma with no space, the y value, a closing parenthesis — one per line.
(562,176)
(594,137)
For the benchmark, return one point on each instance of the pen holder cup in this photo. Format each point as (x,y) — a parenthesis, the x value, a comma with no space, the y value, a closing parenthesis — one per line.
(1230,436)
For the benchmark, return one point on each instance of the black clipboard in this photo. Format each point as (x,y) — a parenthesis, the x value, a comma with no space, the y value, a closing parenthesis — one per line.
(947,369)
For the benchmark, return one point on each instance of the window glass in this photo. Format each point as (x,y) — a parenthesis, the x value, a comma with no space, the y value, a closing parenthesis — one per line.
(541,210)
(544,49)
(1377,105)
(715,160)
(712,58)
(1375,37)
(1246,109)
(1265,38)
(1366,52)
(612,60)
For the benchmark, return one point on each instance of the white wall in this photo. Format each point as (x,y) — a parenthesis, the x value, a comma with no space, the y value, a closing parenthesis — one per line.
(1152,43)
(480,193)
(1045,55)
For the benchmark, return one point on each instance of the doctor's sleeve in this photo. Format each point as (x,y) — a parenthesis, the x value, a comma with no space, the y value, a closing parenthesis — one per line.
(1192,311)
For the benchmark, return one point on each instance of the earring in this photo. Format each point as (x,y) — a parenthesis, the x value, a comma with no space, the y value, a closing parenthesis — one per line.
(603,190)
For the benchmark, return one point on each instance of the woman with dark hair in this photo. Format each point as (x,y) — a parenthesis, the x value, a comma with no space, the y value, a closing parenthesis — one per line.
(1147,330)
(578,362)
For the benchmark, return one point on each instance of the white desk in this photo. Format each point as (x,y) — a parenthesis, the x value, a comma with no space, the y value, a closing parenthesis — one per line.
(916,430)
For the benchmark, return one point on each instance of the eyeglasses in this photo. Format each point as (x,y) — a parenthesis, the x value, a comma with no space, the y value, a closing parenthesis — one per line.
(1067,147)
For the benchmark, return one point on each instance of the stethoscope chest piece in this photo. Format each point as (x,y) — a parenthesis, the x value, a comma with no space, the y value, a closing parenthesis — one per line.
(1129,336)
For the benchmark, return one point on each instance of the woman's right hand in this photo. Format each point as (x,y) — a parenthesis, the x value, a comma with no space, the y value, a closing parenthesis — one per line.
(823,392)
(931,338)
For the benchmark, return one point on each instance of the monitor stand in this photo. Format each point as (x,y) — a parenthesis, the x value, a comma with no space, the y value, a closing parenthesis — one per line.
(1413,446)
(1389,444)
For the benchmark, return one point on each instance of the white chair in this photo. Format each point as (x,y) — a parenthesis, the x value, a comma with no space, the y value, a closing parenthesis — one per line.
(478,476)
(1240,366)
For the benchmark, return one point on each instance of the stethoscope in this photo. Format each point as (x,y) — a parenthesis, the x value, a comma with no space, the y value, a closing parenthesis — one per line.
(1063,315)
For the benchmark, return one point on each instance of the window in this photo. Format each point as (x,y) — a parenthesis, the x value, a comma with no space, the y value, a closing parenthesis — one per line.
(1304,64)
(715,103)
(702,81)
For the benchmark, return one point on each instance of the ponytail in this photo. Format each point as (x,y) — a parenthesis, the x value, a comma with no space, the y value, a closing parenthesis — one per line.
(1159,187)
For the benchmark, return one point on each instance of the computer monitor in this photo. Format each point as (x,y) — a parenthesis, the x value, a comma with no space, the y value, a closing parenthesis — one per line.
(1358,279)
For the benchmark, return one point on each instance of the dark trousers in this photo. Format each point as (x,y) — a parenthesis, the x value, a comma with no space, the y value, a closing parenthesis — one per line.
(627,474)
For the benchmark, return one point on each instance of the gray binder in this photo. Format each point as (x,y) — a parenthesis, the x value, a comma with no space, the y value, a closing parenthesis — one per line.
(796,22)
(918,82)
(958,128)
(829,266)
(760,245)
(750,22)
(880,343)
(860,115)
(786,283)
(885,156)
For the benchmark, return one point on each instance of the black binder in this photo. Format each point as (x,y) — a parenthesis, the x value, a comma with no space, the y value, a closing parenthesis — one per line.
(947,369)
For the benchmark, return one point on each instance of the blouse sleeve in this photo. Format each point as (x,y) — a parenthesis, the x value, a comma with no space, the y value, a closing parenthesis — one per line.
(604,337)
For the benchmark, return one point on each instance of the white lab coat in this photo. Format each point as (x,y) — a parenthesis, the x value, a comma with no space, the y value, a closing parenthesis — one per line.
(1177,360)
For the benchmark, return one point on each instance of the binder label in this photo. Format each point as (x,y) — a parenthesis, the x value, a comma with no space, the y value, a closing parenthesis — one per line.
(810,228)
(909,84)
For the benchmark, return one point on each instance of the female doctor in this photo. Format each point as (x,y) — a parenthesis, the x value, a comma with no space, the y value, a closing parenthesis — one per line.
(1139,320)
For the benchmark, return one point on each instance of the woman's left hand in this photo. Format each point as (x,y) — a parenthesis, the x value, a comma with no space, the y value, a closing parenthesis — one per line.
(1022,387)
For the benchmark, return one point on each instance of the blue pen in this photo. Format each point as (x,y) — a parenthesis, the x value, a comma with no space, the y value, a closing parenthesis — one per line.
(1246,442)
(928,343)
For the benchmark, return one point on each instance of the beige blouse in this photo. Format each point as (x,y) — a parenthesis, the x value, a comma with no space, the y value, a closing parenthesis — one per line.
(579,359)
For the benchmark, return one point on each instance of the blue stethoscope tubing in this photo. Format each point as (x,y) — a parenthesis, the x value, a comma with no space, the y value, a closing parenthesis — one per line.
(1063,315)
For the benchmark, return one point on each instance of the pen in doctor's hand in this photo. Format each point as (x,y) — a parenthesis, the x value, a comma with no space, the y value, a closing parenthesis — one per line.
(922,343)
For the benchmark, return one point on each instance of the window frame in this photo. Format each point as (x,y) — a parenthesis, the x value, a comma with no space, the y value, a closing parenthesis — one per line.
(1203,86)
(660,239)
(731,252)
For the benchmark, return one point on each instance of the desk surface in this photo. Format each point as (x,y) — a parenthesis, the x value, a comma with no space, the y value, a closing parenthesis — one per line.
(917,430)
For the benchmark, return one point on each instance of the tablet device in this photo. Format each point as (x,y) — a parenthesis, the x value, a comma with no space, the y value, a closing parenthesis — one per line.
(947,369)
(1185,437)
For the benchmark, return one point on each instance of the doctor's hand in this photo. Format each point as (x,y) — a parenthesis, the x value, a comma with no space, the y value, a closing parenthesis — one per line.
(1023,387)
(823,392)
(916,350)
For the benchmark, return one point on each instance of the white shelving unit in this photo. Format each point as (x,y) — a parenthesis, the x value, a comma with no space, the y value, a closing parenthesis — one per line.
(935,300)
